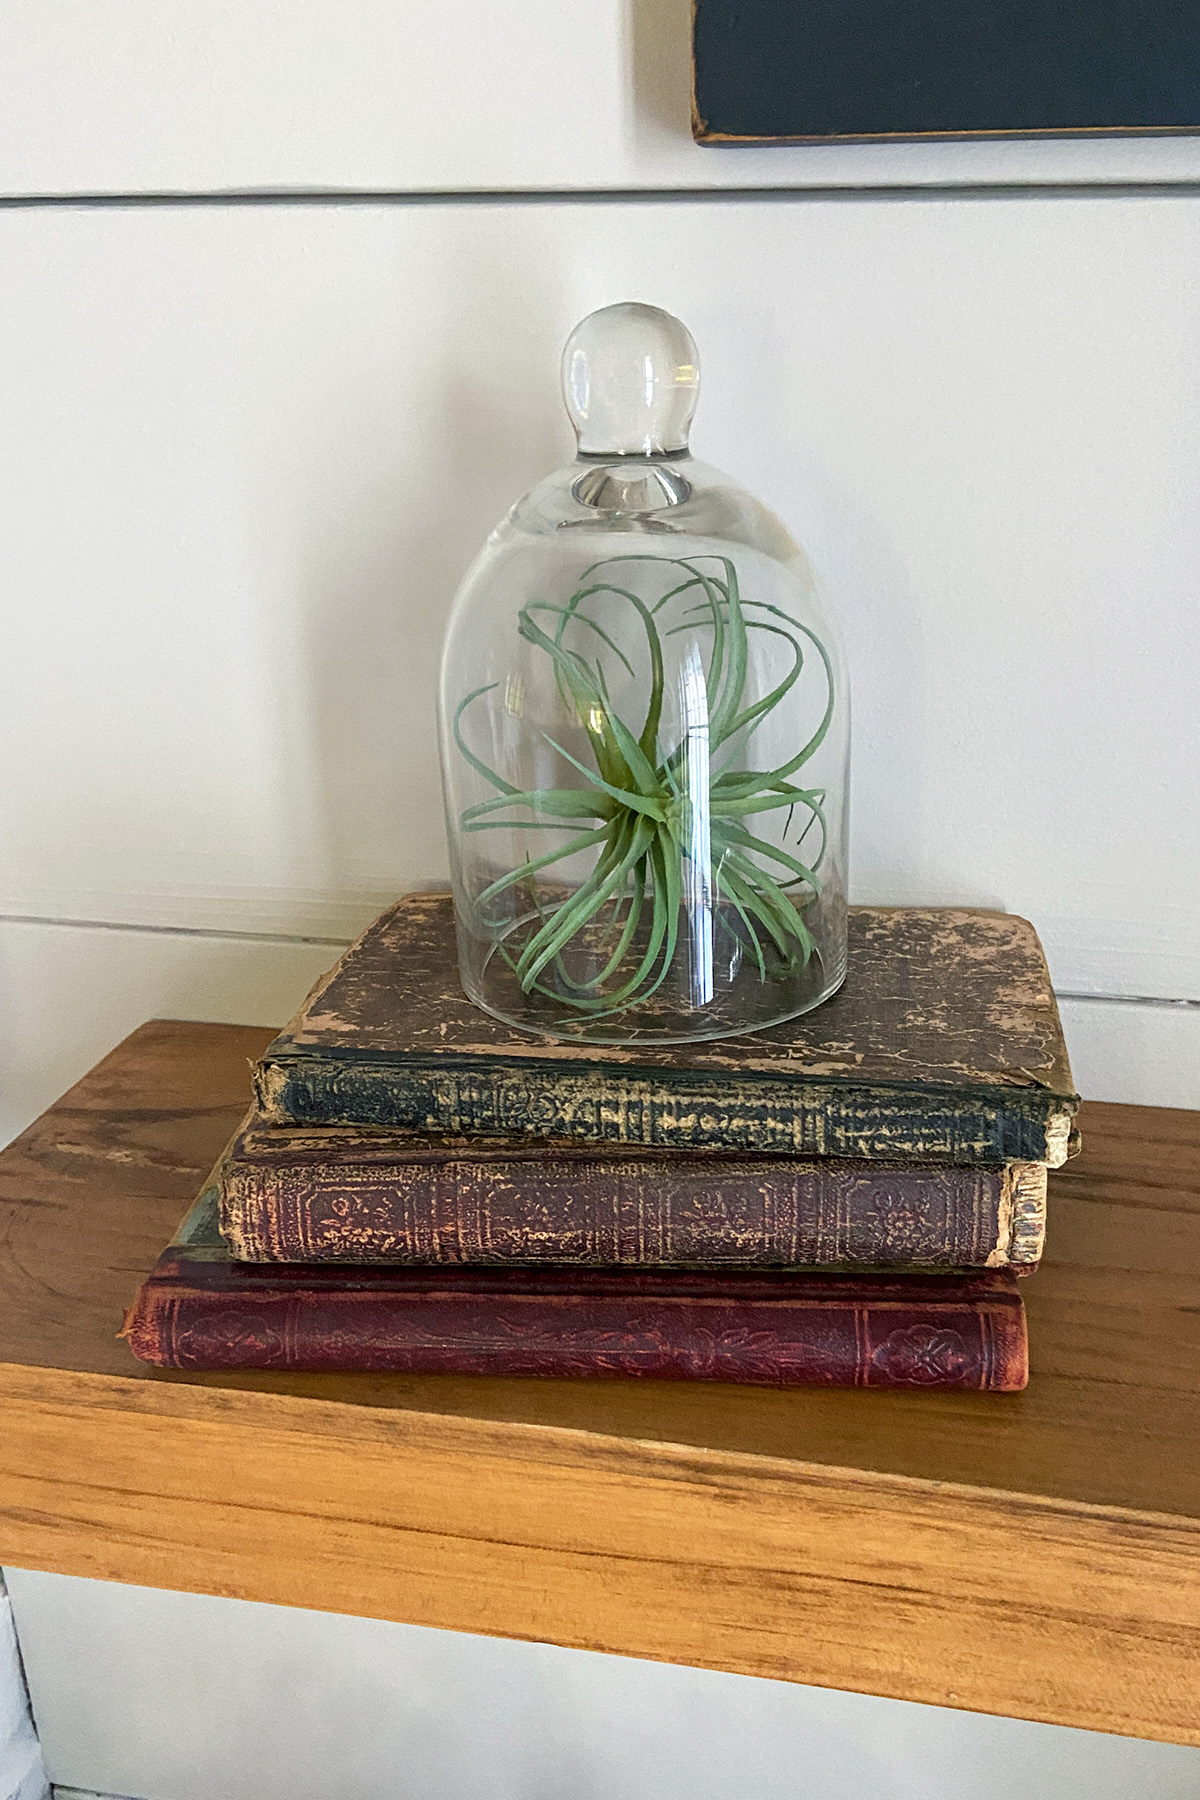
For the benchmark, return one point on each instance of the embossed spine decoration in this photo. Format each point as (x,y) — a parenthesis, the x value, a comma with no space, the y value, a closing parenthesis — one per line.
(198,1310)
(605,1105)
(1027,1211)
(945,1048)
(340,1195)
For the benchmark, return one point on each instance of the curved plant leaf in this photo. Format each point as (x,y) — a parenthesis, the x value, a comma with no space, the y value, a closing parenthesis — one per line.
(626,911)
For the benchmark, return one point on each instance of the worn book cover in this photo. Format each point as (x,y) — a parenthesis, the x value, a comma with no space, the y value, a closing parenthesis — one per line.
(944,1045)
(199,1309)
(355,1193)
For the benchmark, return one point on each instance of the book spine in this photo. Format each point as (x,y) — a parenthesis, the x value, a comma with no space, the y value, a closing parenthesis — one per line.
(1027,1213)
(763,1116)
(589,1212)
(976,1346)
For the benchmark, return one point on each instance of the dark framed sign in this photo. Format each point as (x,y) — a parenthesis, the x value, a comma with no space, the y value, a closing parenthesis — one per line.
(808,71)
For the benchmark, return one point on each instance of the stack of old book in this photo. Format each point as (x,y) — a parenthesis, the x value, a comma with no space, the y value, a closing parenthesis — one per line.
(848,1198)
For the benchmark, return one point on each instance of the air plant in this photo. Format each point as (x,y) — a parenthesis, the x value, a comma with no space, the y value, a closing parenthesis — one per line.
(666,823)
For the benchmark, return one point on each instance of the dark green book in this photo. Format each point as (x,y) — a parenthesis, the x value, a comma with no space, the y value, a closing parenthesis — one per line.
(944,1045)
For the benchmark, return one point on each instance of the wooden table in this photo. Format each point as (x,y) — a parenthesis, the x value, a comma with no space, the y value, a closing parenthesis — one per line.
(1035,1554)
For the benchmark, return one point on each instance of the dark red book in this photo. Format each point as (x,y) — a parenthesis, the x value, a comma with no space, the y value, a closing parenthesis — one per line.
(199,1309)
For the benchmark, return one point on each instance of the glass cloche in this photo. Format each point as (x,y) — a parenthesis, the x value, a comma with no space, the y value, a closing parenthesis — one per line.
(645,732)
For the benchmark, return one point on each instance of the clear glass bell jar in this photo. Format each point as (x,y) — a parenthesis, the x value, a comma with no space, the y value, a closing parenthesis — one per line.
(645,732)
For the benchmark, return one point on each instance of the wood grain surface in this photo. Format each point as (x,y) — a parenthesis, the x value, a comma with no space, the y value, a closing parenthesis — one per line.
(1034,1554)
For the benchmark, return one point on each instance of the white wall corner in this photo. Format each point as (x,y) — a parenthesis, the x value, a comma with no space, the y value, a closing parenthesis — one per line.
(22,1772)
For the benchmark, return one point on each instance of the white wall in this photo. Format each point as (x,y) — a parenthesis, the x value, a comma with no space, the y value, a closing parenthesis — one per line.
(186,1697)
(138,95)
(248,452)
(22,1772)
(248,446)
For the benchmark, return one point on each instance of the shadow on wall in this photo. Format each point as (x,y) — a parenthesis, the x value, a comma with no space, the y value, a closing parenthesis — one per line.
(413,461)
(377,574)
(382,578)
(22,1774)
(67,995)
(756,426)
(658,34)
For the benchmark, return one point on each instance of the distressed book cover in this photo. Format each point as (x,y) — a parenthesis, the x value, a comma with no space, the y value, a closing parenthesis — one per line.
(944,1045)
(341,1193)
(199,1309)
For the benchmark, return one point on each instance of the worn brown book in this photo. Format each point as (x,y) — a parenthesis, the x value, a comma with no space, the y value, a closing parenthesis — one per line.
(199,1309)
(944,1045)
(360,1194)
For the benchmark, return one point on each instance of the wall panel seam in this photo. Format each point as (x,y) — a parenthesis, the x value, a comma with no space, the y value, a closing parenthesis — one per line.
(1184,188)
(181,931)
(50,923)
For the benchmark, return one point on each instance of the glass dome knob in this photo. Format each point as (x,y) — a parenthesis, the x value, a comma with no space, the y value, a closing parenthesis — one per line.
(631,377)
